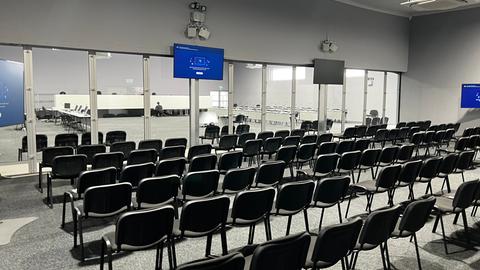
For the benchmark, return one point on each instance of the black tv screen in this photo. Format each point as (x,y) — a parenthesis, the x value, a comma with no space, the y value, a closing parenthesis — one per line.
(328,71)
(197,62)
(470,96)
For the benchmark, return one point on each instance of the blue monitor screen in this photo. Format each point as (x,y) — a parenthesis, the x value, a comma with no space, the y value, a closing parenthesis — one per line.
(196,62)
(11,93)
(470,96)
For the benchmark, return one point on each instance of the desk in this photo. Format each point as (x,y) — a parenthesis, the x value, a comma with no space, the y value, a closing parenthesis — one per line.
(72,119)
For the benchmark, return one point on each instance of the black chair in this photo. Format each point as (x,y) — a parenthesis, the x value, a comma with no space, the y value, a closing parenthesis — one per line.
(86,138)
(158,191)
(298,132)
(242,128)
(344,146)
(229,160)
(264,135)
(251,207)
(401,124)
(326,148)
(197,150)
(287,154)
(368,160)
(65,167)
(198,185)
(311,138)
(360,131)
(428,142)
(101,202)
(176,142)
(240,119)
(429,171)
(293,198)
(243,138)
(203,218)
(305,154)
(392,135)
(151,144)
(464,162)
(291,140)
(66,139)
(269,174)
(271,146)
(375,232)
(142,156)
(171,166)
(251,151)
(371,130)
(361,145)
(172,152)
(379,137)
(140,230)
(325,165)
(325,137)
(232,261)
(447,167)
(282,134)
(105,160)
(334,244)
(387,157)
(236,180)
(48,154)
(405,153)
(133,174)
(41,143)
(385,182)
(408,175)
(460,146)
(348,163)
(348,133)
(417,139)
(402,135)
(445,205)
(211,133)
(330,192)
(115,136)
(413,219)
(306,125)
(90,151)
(124,147)
(226,143)
(203,163)
(224,130)
(284,253)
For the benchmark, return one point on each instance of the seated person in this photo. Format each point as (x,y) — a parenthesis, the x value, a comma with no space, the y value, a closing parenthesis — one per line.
(159,110)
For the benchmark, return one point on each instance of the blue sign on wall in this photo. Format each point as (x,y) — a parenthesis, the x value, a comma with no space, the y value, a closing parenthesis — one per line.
(11,93)
(470,96)
(197,62)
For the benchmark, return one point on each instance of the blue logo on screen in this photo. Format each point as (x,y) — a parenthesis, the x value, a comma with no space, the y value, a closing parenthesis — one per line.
(470,96)
(196,62)
(11,93)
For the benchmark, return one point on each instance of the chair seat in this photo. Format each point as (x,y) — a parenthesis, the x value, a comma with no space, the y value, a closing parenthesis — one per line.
(239,221)
(368,186)
(319,264)
(365,246)
(101,215)
(283,212)
(444,205)
(400,234)
(321,204)
(178,233)
(110,236)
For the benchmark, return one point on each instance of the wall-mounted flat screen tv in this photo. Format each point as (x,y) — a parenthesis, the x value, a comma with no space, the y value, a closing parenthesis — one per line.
(328,71)
(197,62)
(470,95)
(11,93)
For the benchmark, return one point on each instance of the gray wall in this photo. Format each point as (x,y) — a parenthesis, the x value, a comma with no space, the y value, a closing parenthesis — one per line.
(444,53)
(268,30)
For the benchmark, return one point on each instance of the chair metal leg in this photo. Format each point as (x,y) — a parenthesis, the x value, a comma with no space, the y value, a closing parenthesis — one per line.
(65,195)
(223,236)
(169,250)
(159,256)
(40,178)
(321,220)
(109,253)
(265,222)
(373,174)
(416,250)
(305,216)
(174,255)
(80,231)
(269,228)
(455,219)
(463,177)
(435,224)
(289,223)
(387,255)
(348,205)
(443,235)
(343,264)
(339,212)
(102,255)
(354,259)
(382,251)
(251,233)
(209,245)
(465,227)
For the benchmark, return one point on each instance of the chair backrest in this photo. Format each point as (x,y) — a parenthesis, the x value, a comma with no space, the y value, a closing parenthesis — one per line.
(134,173)
(105,160)
(461,144)
(388,154)
(87,138)
(370,157)
(270,173)
(465,159)
(49,153)
(66,139)
(69,166)
(306,151)
(124,147)
(388,176)
(405,152)
(361,144)
(252,205)
(331,190)
(233,261)
(410,171)
(212,132)
(200,184)
(204,216)
(294,196)
(344,146)
(326,163)
(243,137)
(467,132)
(379,225)
(349,132)
(448,164)
(336,241)
(349,160)
(151,144)
(224,130)
(306,125)
(96,177)
(157,190)
(91,150)
(203,163)
(172,152)
(325,137)
(282,133)
(238,179)
(264,135)
(310,138)
(291,140)
(115,136)
(142,156)
(371,130)
(416,215)
(229,160)
(242,128)
(171,166)
(107,200)
(360,131)
(465,194)
(271,145)
(401,124)
(297,132)
(286,153)
(144,228)
(176,142)
(327,148)
(381,134)
(228,142)
(417,137)
(197,150)
(42,142)
(430,168)
(288,252)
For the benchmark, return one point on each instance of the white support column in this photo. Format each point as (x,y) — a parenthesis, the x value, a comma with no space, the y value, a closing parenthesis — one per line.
(264,99)
(146,98)
(322,108)
(365,89)
(230,98)
(30,109)
(344,98)
(194,111)
(384,102)
(292,98)
(92,82)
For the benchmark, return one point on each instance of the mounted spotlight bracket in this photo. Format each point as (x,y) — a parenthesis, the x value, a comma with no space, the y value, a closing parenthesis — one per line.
(196,27)
(329,46)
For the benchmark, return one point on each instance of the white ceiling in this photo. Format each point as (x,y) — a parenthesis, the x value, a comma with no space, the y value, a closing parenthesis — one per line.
(394,7)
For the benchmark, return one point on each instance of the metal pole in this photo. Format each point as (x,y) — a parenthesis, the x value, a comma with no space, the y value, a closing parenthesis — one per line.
(230,98)
(264,98)
(384,102)
(194,111)
(322,108)
(92,82)
(365,89)
(147,118)
(30,110)
(344,98)
(292,98)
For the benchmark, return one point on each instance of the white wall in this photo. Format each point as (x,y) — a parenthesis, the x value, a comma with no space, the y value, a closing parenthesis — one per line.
(282,31)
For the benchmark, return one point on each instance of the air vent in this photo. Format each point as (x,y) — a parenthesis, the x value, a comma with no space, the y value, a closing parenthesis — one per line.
(432,5)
